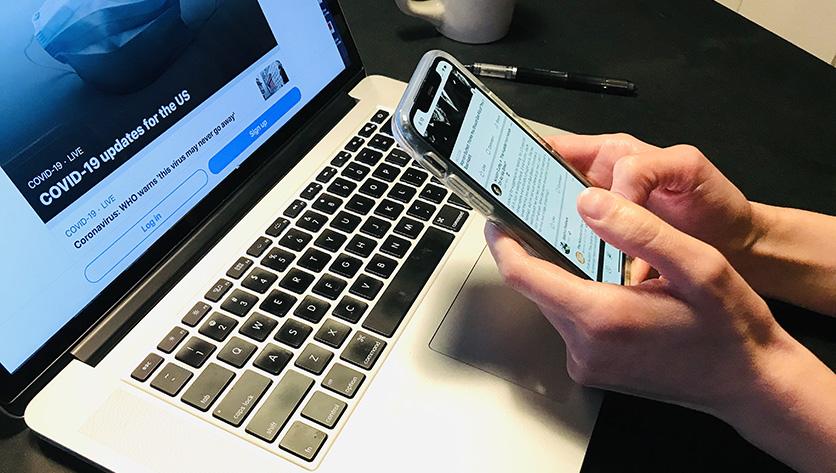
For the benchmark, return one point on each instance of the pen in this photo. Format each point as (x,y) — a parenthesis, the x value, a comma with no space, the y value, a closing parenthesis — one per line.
(550,77)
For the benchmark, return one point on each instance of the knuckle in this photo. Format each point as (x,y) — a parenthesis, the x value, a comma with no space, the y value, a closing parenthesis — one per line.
(690,155)
(513,274)
(714,270)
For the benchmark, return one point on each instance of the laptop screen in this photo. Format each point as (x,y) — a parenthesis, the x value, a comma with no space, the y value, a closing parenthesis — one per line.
(120,115)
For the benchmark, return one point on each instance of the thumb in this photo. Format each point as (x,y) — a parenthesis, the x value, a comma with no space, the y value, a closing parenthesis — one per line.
(637,232)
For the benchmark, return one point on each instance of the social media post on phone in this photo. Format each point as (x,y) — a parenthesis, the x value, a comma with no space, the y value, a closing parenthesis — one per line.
(110,139)
(506,161)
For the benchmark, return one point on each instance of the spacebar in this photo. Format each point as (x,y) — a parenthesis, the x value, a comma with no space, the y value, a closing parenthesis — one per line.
(395,302)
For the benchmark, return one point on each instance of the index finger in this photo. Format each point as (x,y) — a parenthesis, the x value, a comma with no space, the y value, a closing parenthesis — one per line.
(595,155)
(544,283)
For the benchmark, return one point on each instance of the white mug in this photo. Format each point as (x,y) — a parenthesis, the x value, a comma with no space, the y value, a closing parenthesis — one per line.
(467,21)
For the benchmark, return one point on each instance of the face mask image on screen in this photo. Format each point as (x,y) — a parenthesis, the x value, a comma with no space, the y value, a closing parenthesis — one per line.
(104,78)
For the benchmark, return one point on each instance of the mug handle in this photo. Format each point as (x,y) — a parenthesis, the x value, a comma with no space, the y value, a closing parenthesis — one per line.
(430,10)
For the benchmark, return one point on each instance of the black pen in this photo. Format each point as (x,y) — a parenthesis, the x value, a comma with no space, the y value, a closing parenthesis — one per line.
(549,77)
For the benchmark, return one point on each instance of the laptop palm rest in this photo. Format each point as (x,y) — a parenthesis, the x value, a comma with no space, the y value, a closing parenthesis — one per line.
(494,328)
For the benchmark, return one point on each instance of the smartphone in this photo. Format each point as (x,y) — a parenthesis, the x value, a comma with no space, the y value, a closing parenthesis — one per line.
(465,136)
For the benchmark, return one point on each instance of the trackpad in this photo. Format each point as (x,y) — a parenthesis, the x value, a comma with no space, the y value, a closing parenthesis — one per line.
(495,329)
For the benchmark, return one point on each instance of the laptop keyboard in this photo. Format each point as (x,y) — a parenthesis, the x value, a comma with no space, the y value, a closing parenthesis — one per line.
(280,345)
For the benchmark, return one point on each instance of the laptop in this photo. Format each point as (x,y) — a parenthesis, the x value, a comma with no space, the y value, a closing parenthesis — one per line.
(216,257)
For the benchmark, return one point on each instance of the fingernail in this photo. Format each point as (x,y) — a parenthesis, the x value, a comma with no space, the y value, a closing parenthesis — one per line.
(595,203)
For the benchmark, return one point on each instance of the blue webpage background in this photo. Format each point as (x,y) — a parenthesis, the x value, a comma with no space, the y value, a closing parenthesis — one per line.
(47,279)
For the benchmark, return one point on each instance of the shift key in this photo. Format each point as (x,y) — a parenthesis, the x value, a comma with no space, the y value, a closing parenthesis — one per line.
(279,406)
(242,397)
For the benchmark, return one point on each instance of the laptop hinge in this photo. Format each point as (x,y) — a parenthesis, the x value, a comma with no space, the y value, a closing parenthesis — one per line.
(104,335)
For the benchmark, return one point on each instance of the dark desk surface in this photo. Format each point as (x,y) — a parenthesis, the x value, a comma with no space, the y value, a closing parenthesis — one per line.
(763,110)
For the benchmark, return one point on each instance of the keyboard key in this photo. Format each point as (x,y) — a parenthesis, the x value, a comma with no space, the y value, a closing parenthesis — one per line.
(239,302)
(147,367)
(455,199)
(295,239)
(196,314)
(363,350)
(243,396)
(386,127)
(314,359)
(340,159)
(311,191)
(272,416)
(381,142)
(389,209)
(259,280)
(346,222)
(350,309)
(293,333)
(361,246)
(386,172)
(354,144)
(208,385)
(373,188)
(433,193)
(330,240)
(395,302)
(277,227)
(218,290)
(395,246)
(398,156)
(239,268)
(375,227)
(303,441)
(259,246)
(329,286)
(380,116)
(414,176)
(297,280)
(409,228)
(356,171)
(171,379)
(278,259)
(170,341)
(218,326)
(342,187)
(314,260)
(369,156)
(366,287)
(402,193)
(327,203)
(367,130)
(236,352)
(346,265)
(332,333)
(421,209)
(312,309)
(195,352)
(343,380)
(324,409)
(381,266)
(326,174)
(294,209)
(258,326)
(312,221)
(451,218)
(360,204)
(273,359)
(278,303)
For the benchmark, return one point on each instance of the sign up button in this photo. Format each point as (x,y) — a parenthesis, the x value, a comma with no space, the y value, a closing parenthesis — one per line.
(261,124)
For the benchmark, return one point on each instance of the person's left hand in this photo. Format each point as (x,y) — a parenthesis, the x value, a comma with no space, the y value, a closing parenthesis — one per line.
(698,335)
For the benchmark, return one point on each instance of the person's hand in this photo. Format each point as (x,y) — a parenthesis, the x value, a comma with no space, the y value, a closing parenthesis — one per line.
(693,336)
(678,184)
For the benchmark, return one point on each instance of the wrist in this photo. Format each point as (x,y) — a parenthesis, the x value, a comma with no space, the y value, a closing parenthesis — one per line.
(787,408)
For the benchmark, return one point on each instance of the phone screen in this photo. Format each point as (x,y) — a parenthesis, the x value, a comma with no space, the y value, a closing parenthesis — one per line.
(467,127)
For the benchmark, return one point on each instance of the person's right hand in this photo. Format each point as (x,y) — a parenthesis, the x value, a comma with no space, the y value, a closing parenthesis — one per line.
(678,184)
